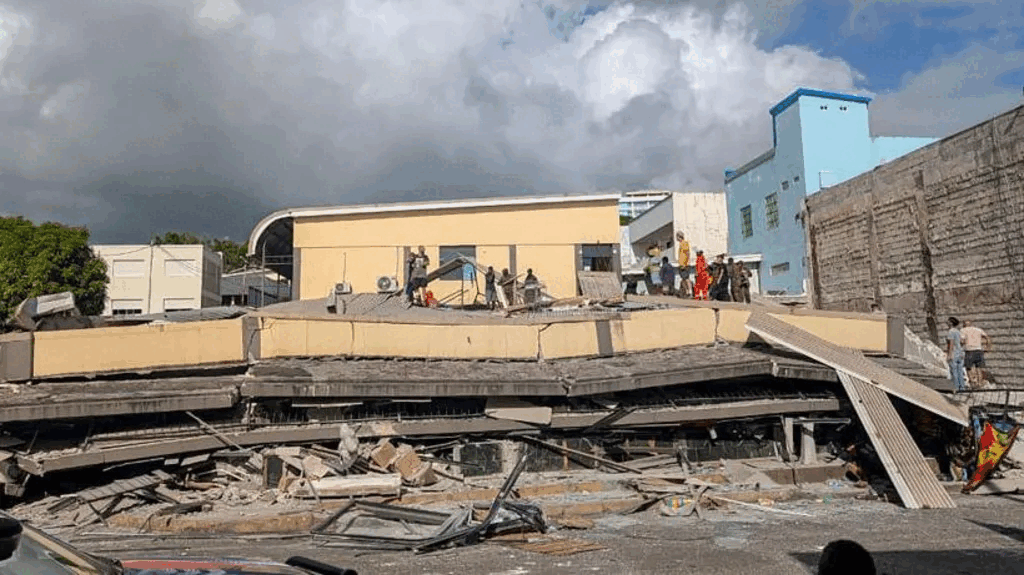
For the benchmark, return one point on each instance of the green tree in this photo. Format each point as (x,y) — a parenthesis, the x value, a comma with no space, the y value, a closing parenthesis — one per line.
(46,259)
(234,252)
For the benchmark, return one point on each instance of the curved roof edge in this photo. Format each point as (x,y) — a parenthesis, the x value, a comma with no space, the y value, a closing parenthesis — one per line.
(263,225)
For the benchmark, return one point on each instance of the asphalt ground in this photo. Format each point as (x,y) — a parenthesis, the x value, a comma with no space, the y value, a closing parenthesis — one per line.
(983,535)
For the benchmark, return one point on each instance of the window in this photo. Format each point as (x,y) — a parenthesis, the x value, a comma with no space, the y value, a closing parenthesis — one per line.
(129,268)
(747,221)
(779,269)
(126,306)
(181,268)
(771,211)
(823,107)
(785,185)
(178,304)
(597,257)
(467,272)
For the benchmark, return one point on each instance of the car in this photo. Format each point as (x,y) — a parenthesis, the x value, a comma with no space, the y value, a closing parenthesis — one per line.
(25,550)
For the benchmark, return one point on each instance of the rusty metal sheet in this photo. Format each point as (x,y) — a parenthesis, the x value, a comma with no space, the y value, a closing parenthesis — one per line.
(778,332)
(909,472)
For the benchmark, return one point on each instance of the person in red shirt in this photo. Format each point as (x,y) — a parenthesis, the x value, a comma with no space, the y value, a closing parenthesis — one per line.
(703,281)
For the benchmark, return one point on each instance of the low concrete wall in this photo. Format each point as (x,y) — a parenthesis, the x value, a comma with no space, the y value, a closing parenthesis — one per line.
(641,332)
(87,351)
(866,332)
(312,337)
(83,351)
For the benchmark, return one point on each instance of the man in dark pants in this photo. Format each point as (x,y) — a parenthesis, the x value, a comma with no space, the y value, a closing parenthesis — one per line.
(490,289)
(720,288)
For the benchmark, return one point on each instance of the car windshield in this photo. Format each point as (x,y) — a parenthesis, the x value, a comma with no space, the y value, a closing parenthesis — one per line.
(40,554)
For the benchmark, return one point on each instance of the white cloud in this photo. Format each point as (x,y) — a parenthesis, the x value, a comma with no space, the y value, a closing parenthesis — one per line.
(949,96)
(264,26)
(329,101)
(64,102)
(218,13)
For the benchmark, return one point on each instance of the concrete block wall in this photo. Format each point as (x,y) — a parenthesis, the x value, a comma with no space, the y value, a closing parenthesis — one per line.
(938,232)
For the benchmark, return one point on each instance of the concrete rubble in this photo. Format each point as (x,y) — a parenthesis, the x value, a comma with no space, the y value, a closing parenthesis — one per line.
(382,454)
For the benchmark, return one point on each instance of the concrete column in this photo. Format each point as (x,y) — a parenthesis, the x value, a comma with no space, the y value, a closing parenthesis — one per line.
(808,451)
(510,453)
(787,434)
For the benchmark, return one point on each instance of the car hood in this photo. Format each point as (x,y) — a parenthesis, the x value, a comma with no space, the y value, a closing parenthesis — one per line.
(206,567)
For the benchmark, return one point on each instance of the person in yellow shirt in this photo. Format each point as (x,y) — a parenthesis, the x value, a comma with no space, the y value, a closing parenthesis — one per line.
(685,286)
(684,250)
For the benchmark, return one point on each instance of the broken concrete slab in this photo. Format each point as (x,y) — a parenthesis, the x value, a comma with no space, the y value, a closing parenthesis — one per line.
(351,486)
(778,332)
(517,410)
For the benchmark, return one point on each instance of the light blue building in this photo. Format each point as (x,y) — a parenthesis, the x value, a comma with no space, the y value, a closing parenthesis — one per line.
(820,139)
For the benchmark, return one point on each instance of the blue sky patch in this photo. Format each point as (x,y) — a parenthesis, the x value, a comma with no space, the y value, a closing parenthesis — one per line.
(897,47)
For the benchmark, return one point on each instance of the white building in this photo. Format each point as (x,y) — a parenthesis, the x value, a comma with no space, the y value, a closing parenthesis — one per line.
(155,279)
(701,216)
(632,204)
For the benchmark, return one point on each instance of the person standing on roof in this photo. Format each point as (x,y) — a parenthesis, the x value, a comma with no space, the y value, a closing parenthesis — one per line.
(668,277)
(700,287)
(508,284)
(976,343)
(531,287)
(685,286)
(418,278)
(740,283)
(490,289)
(955,354)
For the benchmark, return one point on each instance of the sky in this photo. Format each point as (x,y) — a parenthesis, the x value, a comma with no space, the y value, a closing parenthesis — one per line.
(140,117)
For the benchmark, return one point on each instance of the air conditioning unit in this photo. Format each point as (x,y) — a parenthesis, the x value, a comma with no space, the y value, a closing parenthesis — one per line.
(388,284)
(343,288)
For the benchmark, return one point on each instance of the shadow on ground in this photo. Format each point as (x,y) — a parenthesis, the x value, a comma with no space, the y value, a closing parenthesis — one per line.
(959,562)
(1015,533)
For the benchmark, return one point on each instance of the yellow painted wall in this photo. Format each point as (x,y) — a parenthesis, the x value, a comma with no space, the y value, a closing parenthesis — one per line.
(561,340)
(545,236)
(732,324)
(862,334)
(661,329)
(554,266)
(302,337)
(137,347)
(866,333)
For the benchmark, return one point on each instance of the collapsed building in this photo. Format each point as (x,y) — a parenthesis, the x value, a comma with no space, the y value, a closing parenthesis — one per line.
(363,394)
(644,376)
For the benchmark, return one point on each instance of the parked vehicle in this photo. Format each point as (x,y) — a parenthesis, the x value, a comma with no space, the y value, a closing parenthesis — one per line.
(28,551)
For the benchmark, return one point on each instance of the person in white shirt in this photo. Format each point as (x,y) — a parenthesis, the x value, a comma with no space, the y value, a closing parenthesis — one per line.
(976,343)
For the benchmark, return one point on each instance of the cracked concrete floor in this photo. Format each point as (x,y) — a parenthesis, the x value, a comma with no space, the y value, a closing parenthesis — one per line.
(984,534)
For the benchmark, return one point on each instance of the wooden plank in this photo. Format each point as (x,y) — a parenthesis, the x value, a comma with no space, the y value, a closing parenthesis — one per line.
(909,472)
(778,332)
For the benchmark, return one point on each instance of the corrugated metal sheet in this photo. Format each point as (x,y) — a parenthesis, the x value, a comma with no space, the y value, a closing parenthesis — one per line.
(600,285)
(908,470)
(779,332)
